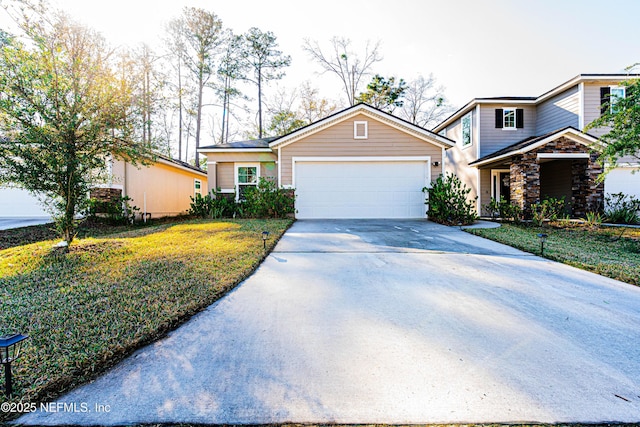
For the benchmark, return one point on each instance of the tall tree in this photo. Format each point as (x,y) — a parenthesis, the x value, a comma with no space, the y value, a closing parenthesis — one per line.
(176,50)
(383,94)
(265,62)
(425,104)
(64,109)
(203,36)
(622,116)
(344,63)
(232,69)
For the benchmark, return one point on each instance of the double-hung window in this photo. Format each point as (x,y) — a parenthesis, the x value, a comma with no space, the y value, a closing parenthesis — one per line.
(610,96)
(617,93)
(247,176)
(509,118)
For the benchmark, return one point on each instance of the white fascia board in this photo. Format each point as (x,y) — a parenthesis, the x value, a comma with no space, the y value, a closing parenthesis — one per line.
(563,155)
(363,159)
(235,150)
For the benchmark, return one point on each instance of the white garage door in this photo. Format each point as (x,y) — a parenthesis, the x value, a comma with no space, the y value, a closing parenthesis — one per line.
(361,189)
(15,202)
(623,180)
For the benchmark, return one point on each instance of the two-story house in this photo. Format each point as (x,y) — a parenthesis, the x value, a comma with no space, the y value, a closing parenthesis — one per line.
(527,148)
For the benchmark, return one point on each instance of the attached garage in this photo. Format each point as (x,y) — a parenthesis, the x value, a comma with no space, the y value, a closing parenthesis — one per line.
(361,188)
(358,163)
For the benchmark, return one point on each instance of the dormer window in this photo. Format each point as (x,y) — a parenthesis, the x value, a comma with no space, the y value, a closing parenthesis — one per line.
(360,130)
(509,118)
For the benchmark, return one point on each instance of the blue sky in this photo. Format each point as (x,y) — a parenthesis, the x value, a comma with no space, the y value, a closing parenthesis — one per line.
(474,48)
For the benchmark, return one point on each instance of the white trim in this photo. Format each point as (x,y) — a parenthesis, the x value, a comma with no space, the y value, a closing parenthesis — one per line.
(212,163)
(569,133)
(563,156)
(504,116)
(442,163)
(237,165)
(477,140)
(611,89)
(114,186)
(227,190)
(581,106)
(279,166)
(426,159)
(357,123)
(235,150)
(495,174)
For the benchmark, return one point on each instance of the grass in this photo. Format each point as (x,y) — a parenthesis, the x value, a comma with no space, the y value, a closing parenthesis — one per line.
(612,252)
(88,309)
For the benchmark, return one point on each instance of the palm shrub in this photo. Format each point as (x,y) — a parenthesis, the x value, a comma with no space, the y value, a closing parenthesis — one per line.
(449,201)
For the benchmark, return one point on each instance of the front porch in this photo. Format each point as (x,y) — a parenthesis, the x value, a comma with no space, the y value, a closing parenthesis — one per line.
(560,165)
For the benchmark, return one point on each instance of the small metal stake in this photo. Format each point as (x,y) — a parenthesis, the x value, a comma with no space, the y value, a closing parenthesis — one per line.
(543,238)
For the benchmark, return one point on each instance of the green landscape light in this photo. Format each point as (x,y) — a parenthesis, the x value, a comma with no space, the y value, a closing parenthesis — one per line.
(10,346)
(265,236)
(543,238)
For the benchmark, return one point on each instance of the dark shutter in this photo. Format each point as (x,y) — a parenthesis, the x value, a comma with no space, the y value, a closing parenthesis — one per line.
(499,118)
(605,93)
(519,118)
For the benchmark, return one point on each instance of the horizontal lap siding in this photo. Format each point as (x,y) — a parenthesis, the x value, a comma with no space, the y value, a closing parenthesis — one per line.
(338,141)
(560,111)
(592,106)
(494,139)
(226,177)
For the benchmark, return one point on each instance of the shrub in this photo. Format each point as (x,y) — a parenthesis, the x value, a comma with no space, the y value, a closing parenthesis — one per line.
(622,209)
(550,209)
(214,205)
(504,210)
(117,211)
(266,200)
(449,201)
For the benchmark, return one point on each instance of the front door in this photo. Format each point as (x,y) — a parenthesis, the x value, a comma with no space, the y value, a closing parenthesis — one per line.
(500,184)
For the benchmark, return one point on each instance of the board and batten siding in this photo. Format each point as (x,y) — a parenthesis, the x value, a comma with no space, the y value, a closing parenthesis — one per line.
(338,141)
(494,139)
(559,111)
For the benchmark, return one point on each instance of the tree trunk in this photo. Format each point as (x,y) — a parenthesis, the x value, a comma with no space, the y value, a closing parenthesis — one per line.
(259,103)
(199,118)
(179,109)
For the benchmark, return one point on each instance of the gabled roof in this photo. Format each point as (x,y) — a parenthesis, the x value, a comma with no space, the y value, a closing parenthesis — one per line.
(178,163)
(534,142)
(535,99)
(372,112)
(268,144)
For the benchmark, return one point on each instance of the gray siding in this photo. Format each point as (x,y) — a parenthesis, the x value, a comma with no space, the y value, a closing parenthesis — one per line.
(560,111)
(592,106)
(495,139)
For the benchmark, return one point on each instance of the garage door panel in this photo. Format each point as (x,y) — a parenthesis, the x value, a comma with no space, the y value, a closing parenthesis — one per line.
(361,189)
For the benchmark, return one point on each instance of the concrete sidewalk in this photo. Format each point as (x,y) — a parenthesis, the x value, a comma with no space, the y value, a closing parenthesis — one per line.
(386,322)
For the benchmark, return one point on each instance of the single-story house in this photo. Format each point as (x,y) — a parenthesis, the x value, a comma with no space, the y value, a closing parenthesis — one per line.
(360,162)
(160,189)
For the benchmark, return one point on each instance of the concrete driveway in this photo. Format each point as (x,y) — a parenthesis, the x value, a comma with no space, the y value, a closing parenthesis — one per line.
(387,322)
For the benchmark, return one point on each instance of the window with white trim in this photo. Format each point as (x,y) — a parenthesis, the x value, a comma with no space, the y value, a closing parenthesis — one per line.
(509,118)
(247,175)
(360,130)
(197,187)
(616,94)
(467,134)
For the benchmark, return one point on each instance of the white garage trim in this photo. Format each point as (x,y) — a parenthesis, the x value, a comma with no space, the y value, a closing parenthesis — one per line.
(397,201)
(294,160)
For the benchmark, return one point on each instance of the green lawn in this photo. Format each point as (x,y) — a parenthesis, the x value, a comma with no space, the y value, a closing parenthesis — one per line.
(612,252)
(109,295)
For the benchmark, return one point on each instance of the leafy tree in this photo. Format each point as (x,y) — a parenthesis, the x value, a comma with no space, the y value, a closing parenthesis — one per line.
(344,63)
(64,109)
(425,104)
(203,38)
(177,50)
(384,94)
(284,122)
(232,68)
(265,61)
(623,138)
